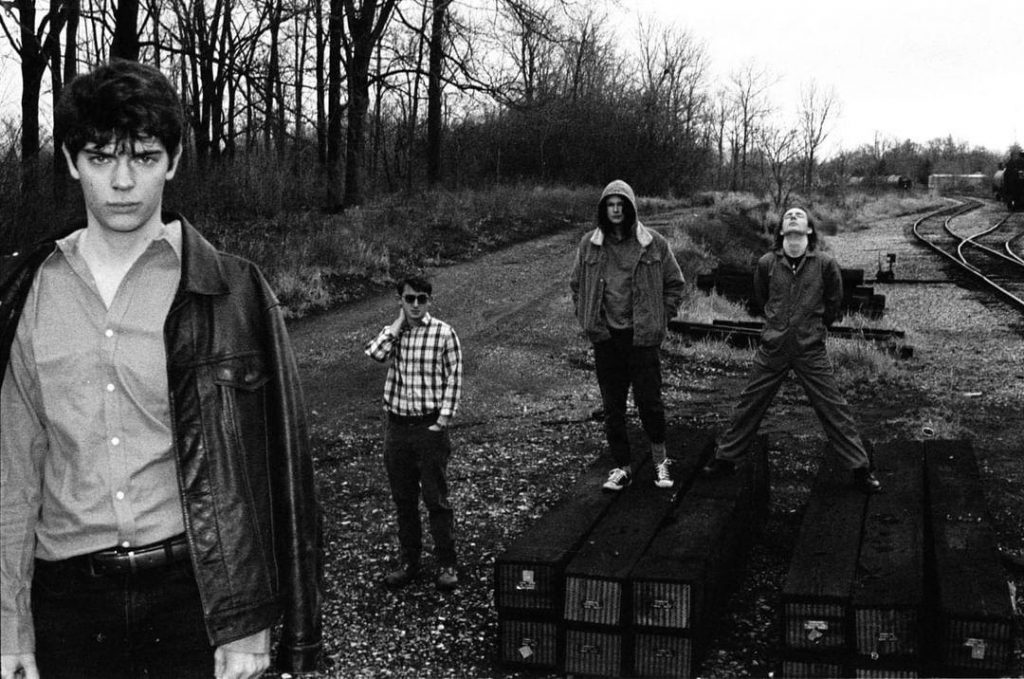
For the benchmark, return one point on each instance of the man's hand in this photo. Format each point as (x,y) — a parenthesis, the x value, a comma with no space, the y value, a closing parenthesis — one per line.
(441,425)
(237,665)
(399,324)
(20,666)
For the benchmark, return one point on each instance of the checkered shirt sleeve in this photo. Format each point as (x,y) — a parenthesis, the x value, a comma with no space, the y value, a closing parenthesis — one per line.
(425,371)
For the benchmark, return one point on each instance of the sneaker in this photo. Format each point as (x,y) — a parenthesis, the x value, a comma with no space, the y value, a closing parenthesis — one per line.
(402,576)
(718,468)
(618,479)
(447,579)
(865,481)
(662,477)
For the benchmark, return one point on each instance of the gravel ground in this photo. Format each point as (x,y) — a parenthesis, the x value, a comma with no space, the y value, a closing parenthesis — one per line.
(523,435)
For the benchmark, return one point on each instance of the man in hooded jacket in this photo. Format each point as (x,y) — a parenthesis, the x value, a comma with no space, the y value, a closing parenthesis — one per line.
(626,285)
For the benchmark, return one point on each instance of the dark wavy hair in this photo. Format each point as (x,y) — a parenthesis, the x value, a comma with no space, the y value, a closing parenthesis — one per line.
(628,211)
(417,283)
(812,237)
(121,101)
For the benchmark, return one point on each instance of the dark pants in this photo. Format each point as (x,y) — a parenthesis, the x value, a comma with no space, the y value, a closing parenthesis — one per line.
(143,626)
(621,365)
(814,371)
(416,460)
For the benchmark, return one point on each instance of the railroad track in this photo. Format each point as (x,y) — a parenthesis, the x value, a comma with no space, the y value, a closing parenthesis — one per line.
(978,254)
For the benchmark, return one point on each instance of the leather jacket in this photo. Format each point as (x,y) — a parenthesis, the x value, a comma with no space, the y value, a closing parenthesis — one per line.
(245,472)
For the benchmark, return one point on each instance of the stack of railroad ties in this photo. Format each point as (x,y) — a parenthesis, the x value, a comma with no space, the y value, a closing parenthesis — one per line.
(736,282)
(906,583)
(625,584)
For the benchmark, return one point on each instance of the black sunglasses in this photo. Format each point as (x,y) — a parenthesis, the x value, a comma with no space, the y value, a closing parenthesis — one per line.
(421,298)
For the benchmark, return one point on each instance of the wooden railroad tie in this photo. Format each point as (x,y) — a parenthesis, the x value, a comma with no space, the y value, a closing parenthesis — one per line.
(637,572)
(905,583)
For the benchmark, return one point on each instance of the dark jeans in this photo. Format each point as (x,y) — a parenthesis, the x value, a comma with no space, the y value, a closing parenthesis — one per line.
(143,626)
(814,371)
(621,365)
(416,460)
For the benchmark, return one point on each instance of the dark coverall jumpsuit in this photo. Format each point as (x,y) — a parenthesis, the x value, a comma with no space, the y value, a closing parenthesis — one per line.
(798,305)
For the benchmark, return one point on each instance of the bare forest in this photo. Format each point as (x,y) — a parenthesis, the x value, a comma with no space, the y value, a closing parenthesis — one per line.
(325,105)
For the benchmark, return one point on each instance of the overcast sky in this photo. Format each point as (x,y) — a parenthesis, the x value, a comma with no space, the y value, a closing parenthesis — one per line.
(905,69)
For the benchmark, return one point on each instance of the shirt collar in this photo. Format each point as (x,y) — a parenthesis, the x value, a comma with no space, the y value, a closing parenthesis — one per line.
(169,232)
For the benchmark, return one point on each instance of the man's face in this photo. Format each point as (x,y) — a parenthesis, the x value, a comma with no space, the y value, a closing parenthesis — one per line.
(415,303)
(795,219)
(616,207)
(123,182)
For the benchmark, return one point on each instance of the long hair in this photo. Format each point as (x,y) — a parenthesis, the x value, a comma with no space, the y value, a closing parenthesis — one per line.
(812,237)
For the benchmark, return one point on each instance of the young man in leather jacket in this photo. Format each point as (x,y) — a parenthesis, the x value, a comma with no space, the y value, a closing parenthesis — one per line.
(158,500)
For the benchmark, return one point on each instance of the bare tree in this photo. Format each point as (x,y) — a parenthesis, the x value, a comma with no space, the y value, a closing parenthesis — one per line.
(749,88)
(780,149)
(434,90)
(34,45)
(817,108)
(365,25)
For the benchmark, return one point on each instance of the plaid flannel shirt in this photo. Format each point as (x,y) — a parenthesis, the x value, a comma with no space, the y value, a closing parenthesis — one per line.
(425,375)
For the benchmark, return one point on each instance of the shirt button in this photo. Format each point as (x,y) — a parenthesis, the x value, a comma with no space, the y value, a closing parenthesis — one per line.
(120,496)
(126,544)
(115,441)
(109,332)
(110,387)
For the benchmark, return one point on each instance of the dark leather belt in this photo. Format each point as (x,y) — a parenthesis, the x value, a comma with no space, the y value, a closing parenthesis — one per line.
(429,418)
(125,561)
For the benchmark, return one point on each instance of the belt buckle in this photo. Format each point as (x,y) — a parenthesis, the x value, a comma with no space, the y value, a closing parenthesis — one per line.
(131,561)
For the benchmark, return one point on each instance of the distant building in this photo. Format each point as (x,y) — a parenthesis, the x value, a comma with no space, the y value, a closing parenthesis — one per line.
(940,184)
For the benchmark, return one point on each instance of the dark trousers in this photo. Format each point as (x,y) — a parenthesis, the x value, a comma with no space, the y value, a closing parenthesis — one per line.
(416,460)
(814,371)
(148,625)
(620,365)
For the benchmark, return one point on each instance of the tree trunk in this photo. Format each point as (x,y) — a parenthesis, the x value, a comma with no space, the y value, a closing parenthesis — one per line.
(333,140)
(33,65)
(321,85)
(434,92)
(125,44)
(355,138)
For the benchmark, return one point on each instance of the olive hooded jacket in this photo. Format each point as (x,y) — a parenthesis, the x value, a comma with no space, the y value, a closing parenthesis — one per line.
(657,281)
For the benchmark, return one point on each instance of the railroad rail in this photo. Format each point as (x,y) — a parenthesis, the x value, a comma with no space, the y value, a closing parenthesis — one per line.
(996,271)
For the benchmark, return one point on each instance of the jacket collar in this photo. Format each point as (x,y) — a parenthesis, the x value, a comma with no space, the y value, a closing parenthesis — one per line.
(201,269)
(643,236)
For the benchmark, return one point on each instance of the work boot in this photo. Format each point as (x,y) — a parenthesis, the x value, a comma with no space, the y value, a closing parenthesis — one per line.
(447,579)
(718,468)
(865,481)
(402,576)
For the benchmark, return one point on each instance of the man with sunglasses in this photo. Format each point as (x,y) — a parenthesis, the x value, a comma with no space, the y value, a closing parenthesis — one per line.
(421,395)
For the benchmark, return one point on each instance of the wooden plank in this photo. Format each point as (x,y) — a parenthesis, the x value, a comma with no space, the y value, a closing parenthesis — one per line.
(681,576)
(529,574)
(816,596)
(888,593)
(975,617)
(595,578)
(529,643)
